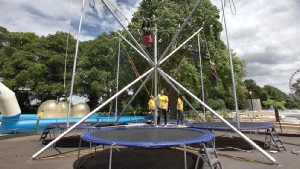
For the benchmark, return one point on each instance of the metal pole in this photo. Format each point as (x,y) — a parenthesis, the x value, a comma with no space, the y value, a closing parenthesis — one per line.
(88,115)
(155,79)
(74,65)
(180,46)
(185,163)
(252,106)
(139,46)
(177,34)
(149,61)
(201,76)
(232,73)
(110,155)
(183,98)
(132,98)
(117,87)
(222,119)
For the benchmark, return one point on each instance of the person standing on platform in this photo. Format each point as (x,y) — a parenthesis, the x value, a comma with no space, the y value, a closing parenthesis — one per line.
(179,108)
(163,104)
(151,107)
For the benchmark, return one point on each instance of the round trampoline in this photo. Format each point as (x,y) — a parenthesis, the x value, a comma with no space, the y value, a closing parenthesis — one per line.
(147,137)
(223,126)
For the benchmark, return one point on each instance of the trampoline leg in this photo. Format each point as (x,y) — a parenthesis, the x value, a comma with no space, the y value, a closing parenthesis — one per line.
(78,154)
(185,164)
(110,155)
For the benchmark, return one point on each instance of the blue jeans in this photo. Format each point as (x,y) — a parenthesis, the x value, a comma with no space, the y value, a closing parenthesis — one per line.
(180,117)
(152,115)
(215,80)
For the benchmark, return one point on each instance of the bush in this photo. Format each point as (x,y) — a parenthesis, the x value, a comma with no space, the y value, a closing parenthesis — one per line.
(217,104)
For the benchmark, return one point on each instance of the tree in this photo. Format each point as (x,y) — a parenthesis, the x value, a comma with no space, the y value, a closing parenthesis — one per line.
(257,91)
(276,104)
(170,15)
(95,68)
(292,102)
(33,67)
(274,93)
(296,87)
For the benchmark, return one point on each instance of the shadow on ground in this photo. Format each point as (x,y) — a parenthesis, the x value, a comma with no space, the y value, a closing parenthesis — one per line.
(127,158)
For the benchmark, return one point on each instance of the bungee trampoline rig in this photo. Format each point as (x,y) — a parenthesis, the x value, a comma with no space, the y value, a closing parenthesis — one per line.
(156,70)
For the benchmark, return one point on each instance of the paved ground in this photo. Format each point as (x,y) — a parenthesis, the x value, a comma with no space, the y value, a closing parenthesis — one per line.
(16,152)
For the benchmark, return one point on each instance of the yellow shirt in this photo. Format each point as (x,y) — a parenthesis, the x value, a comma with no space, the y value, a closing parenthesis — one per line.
(40,114)
(163,101)
(179,104)
(151,104)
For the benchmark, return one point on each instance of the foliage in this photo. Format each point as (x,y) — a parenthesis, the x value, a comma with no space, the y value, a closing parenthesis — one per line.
(183,66)
(296,87)
(276,104)
(257,91)
(33,67)
(292,102)
(217,104)
(274,93)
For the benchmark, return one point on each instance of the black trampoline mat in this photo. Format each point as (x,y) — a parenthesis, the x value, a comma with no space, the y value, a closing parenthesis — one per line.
(148,134)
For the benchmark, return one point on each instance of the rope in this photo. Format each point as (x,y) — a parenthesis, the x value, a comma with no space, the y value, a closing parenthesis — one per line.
(92,5)
(109,111)
(126,7)
(134,69)
(174,12)
(232,12)
(65,71)
(207,49)
(119,11)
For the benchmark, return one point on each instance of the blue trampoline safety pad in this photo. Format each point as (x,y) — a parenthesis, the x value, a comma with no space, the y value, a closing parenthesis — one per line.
(223,126)
(148,137)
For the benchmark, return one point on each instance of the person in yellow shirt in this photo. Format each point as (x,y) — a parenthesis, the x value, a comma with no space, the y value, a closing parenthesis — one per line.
(151,107)
(179,108)
(40,115)
(163,104)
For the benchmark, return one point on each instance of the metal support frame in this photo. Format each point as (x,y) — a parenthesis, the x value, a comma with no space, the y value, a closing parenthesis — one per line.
(155,79)
(222,119)
(133,97)
(74,65)
(117,87)
(183,98)
(231,71)
(180,46)
(157,70)
(179,31)
(147,59)
(201,76)
(132,38)
(91,113)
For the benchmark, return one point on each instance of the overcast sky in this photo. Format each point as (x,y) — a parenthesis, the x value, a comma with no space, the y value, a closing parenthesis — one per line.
(264,33)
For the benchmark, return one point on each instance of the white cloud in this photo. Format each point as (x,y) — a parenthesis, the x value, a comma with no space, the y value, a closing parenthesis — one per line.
(265,34)
(45,17)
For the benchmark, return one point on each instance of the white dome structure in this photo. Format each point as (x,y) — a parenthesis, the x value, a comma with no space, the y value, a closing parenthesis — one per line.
(80,110)
(54,109)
